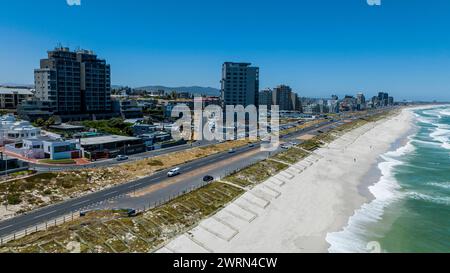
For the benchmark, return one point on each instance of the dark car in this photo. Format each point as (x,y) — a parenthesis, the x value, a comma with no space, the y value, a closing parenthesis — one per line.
(208,178)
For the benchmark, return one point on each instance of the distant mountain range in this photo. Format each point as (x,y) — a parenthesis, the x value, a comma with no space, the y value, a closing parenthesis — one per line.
(208,91)
(197,90)
(17,85)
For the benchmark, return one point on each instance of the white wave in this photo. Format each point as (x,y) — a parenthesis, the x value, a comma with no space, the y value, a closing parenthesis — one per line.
(407,149)
(445,112)
(443,185)
(433,113)
(432,199)
(424,120)
(386,191)
(426,142)
(442,135)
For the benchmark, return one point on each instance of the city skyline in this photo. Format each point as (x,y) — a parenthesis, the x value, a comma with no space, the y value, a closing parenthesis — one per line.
(316,55)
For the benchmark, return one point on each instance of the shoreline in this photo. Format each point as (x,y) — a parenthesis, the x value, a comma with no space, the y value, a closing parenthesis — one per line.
(382,191)
(319,200)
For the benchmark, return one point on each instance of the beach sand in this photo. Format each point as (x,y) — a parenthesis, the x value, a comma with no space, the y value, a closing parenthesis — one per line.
(295,210)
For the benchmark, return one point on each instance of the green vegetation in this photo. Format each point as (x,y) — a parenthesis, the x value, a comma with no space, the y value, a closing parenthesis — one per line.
(311,144)
(44,123)
(22,173)
(115,126)
(291,156)
(58,161)
(111,231)
(256,173)
(13,199)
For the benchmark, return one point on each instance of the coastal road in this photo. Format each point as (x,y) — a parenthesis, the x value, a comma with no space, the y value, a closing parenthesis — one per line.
(42,215)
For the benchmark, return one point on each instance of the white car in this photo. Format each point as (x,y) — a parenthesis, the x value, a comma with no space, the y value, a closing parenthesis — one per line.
(174,172)
(121,158)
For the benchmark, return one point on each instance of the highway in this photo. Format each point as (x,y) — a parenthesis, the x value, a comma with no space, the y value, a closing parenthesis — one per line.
(48,213)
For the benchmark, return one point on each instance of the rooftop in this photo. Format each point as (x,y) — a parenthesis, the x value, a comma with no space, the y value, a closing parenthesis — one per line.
(65,126)
(106,139)
(20,91)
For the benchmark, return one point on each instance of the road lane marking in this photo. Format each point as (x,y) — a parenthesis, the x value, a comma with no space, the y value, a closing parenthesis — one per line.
(79,203)
(45,214)
(111,193)
(6,227)
(134,186)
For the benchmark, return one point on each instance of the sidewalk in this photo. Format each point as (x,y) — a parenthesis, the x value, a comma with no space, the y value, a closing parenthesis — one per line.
(79,161)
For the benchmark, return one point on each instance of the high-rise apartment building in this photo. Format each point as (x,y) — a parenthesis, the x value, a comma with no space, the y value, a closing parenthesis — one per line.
(383,99)
(74,82)
(296,102)
(360,101)
(282,96)
(240,84)
(266,98)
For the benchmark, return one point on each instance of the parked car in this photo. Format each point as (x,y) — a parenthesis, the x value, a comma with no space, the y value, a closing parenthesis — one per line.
(231,151)
(121,157)
(251,145)
(174,172)
(208,178)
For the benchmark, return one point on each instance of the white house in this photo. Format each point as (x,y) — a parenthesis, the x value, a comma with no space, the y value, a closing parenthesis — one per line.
(12,130)
(46,147)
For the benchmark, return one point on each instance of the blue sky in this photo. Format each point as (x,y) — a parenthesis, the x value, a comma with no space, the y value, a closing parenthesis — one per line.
(318,47)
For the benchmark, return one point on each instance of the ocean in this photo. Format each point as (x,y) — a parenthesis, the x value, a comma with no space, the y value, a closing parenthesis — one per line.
(411,209)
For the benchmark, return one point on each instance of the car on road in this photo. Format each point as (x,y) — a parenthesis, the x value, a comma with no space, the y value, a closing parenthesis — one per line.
(286,146)
(174,172)
(251,145)
(121,158)
(231,151)
(208,178)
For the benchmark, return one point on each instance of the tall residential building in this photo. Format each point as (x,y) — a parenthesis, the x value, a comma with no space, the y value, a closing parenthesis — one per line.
(296,102)
(74,82)
(240,84)
(391,101)
(282,96)
(266,98)
(360,101)
(383,99)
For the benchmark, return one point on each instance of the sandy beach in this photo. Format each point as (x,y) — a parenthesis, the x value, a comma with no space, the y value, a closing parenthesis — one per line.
(295,210)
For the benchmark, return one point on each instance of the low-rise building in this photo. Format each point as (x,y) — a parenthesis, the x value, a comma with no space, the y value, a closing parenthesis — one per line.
(33,110)
(111,146)
(11,97)
(45,148)
(141,129)
(11,165)
(12,130)
(151,139)
(128,109)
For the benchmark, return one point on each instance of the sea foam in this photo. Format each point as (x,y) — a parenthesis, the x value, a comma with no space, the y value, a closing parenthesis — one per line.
(386,191)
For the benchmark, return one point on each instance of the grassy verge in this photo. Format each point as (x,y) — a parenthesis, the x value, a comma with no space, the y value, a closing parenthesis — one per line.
(106,231)
(58,161)
(256,173)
